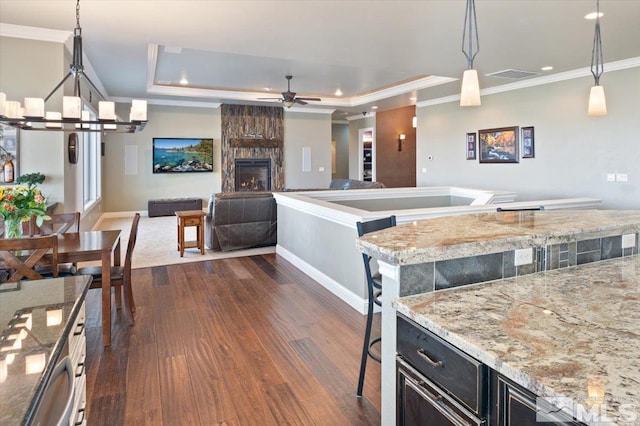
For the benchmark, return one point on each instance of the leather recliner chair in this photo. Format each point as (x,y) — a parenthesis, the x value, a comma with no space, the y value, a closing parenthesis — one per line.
(240,220)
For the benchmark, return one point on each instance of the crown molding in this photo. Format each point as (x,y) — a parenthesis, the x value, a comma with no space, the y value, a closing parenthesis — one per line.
(306,110)
(361,116)
(34,33)
(339,122)
(538,81)
(170,102)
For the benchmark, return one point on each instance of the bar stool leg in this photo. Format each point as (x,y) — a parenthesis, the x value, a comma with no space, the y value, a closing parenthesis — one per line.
(367,339)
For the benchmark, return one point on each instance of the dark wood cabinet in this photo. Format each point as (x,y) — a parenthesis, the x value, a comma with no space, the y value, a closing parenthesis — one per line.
(440,385)
(437,383)
(516,406)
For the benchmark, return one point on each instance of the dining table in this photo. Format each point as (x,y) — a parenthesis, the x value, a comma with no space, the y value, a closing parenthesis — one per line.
(87,246)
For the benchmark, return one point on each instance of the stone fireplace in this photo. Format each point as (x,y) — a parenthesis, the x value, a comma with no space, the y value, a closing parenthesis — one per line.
(252,148)
(253,174)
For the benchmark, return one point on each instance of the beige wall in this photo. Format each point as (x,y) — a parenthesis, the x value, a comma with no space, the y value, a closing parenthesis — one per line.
(131,192)
(340,134)
(35,74)
(573,152)
(354,154)
(307,130)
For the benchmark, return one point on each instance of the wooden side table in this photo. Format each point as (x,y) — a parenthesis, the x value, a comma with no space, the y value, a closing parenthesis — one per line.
(190,218)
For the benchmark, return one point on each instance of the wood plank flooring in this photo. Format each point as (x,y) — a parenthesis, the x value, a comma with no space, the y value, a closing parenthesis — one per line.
(243,341)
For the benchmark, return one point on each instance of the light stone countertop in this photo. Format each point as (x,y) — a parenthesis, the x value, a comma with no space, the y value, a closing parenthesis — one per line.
(569,333)
(459,236)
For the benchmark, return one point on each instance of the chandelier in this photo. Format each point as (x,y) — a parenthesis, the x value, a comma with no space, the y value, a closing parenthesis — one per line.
(32,115)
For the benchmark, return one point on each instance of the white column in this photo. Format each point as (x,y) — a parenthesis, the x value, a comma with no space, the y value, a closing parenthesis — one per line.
(390,291)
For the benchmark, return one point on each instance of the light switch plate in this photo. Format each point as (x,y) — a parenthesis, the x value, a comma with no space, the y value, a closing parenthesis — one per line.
(523,257)
(611,177)
(628,240)
(622,177)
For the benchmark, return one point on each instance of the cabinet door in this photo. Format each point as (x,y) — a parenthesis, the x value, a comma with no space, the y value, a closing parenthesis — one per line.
(517,407)
(420,403)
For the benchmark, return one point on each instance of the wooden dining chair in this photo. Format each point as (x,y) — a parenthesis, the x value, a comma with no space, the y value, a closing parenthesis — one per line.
(59,224)
(120,275)
(21,255)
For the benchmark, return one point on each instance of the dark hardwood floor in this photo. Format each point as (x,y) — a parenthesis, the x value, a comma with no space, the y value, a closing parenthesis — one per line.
(244,341)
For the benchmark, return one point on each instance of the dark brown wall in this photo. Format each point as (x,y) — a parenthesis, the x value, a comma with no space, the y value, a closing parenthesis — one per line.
(396,168)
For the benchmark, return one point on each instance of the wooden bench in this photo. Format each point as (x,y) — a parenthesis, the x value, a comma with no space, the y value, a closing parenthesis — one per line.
(169,206)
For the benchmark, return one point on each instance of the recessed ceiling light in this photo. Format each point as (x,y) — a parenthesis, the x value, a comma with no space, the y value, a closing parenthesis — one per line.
(184,81)
(547,68)
(268,89)
(593,15)
(338,92)
(413,99)
(374,107)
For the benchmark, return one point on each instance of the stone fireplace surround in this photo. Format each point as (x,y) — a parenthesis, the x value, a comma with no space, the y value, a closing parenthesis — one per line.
(252,132)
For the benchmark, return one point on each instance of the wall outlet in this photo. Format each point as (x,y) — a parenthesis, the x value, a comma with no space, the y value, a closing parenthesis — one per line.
(523,257)
(611,177)
(628,241)
(622,177)
(424,170)
(321,169)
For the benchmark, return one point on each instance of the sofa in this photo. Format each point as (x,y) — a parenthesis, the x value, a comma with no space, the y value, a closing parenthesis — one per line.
(353,184)
(241,220)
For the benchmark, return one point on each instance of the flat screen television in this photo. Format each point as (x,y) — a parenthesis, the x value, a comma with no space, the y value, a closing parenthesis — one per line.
(182,155)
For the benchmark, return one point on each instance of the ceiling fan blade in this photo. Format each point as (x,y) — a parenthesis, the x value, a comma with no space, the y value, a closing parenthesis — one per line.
(270,99)
(300,101)
(310,99)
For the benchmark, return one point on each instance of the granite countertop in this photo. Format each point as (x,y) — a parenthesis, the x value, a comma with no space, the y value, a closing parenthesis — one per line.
(570,333)
(453,237)
(36,318)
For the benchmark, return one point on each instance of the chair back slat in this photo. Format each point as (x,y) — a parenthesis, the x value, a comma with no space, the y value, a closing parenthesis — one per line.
(375,225)
(59,223)
(21,255)
(133,235)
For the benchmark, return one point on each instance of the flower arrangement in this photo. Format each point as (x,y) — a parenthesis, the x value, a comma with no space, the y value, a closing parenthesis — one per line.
(18,204)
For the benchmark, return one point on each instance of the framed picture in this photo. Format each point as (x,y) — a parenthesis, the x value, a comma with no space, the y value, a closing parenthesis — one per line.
(9,149)
(528,143)
(499,145)
(471,146)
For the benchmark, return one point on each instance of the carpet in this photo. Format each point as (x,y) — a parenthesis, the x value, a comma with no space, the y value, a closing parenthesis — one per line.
(157,242)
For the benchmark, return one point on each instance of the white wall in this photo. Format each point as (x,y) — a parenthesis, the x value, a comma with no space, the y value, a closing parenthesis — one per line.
(307,130)
(131,192)
(573,152)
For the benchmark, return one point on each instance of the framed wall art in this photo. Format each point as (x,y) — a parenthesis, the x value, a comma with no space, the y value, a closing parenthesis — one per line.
(471,146)
(499,145)
(528,142)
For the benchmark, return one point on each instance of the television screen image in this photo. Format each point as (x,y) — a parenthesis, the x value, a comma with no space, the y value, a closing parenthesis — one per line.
(182,155)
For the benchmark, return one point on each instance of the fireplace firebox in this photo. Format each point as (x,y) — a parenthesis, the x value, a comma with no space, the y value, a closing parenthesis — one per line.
(253,174)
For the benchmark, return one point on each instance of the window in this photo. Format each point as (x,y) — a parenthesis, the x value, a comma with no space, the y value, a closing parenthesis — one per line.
(91,165)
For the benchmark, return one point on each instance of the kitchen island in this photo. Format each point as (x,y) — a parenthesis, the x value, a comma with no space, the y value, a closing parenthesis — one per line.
(570,336)
(451,252)
(42,323)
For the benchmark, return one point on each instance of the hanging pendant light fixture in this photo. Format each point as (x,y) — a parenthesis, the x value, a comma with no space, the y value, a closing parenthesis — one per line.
(470,92)
(34,117)
(597,101)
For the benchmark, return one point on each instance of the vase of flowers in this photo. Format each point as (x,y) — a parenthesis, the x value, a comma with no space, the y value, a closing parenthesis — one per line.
(18,204)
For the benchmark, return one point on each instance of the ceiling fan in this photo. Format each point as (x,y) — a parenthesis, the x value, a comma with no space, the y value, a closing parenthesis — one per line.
(289,98)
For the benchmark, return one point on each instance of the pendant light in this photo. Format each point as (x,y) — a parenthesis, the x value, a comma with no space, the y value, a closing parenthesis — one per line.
(34,117)
(470,92)
(597,101)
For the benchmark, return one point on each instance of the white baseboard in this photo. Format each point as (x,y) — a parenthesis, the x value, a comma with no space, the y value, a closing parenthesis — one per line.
(351,299)
(115,215)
